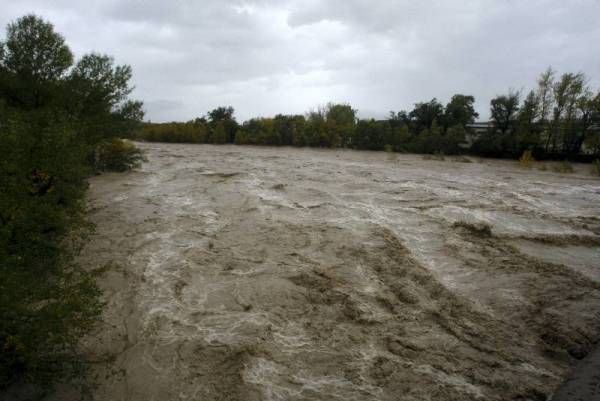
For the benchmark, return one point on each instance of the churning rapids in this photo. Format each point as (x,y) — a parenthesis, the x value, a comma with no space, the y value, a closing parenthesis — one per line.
(253,273)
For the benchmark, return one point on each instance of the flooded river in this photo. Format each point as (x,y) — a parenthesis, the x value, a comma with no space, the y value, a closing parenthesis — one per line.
(252,273)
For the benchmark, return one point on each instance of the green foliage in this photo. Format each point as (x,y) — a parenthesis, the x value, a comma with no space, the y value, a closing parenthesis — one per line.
(46,302)
(592,142)
(454,139)
(219,135)
(117,155)
(460,111)
(517,125)
(33,50)
(504,110)
(190,132)
(50,123)
(222,124)
(424,114)
(102,89)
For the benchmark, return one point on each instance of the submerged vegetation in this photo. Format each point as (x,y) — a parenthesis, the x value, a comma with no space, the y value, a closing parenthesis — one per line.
(559,119)
(56,116)
(526,160)
(596,167)
(563,167)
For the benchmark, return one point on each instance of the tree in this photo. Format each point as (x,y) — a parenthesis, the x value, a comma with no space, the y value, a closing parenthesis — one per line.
(424,114)
(528,127)
(32,60)
(567,93)
(429,140)
(47,302)
(219,135)
(399,119)
(564,98)
(589,108)
(503,110)
(400,138)
(460,111)
(340,119)
(221,113)
(290,128)
(102,90)
(455,138)
(34,50)
(225,116)
(544,95)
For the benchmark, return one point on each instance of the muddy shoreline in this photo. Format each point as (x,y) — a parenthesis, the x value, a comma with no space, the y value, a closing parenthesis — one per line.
(251,273)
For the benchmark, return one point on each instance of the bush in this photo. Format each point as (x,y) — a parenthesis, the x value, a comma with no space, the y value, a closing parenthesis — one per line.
(462,159)
(526,160)
(563,167)
(439,156)
(596,167)
(46,302)
(117,155)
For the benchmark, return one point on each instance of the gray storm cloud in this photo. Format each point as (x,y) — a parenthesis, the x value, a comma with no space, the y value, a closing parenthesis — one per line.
(265,57)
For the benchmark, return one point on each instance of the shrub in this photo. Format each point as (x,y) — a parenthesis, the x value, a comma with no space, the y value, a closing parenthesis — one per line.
(462,159)
(526,159)
(563,167)
(439,156)
(46,301)
(596,167)
(117,155)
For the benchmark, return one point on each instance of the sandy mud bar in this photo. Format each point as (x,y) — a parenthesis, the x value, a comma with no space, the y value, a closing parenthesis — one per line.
(249,273)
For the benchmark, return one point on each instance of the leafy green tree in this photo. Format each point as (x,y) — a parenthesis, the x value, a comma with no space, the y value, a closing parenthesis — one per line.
(224,115)
(290,129)
(219,135)
(399,119)
(503,110)
(424,114)
(460,111)
(102,89)
(400,138)
(429,140)
(566,92)
(544,95)
(33,50)
(46,117)
(590,120)
(32,61)
(221,113)
(341,119)
(454,139)
(528,129)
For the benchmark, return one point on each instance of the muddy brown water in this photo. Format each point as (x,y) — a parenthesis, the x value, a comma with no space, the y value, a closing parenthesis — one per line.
(252,273)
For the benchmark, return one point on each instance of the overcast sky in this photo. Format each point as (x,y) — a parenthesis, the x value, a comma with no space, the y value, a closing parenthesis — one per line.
(287,56)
